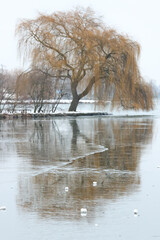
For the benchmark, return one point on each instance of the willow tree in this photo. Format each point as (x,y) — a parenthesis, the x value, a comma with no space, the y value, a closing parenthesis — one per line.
(78,46)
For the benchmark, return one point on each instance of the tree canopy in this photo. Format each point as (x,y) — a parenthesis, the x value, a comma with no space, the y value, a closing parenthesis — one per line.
(78,46)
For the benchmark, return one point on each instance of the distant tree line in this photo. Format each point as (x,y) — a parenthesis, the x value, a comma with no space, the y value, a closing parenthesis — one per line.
(22,88)
(7,88)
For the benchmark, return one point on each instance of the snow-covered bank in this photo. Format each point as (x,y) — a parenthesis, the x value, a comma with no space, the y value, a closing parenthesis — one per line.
(72,114)
(47,115)
(85,108)
(51,106)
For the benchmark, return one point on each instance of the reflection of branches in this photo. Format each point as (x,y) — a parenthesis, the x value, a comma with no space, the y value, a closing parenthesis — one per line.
(38,132)
(114,170)
(76,133)
(56,128)
(46,195)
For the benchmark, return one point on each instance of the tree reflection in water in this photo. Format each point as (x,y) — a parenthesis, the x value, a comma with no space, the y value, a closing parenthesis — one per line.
(75,151)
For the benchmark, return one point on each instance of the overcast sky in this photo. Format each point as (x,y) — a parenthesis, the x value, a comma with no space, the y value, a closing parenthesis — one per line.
(140,19)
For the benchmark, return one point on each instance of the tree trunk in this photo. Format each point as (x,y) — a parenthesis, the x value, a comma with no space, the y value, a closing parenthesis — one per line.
(74,104)
(77,97)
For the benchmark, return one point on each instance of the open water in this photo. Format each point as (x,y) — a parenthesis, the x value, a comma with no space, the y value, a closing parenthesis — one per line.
(80,178)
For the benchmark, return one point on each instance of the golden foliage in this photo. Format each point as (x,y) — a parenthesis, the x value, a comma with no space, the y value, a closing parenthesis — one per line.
(80,46)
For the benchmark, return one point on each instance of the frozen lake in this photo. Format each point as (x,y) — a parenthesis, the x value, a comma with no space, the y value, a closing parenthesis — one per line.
(51,169)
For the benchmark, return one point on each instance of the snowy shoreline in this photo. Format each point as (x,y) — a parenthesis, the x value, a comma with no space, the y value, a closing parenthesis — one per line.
(47,115)
(86,108)
(68,114)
